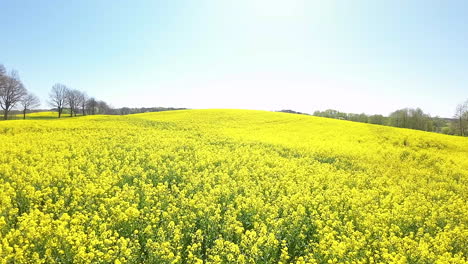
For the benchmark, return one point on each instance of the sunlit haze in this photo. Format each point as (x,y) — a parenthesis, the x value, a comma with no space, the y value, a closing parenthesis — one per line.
(353,56)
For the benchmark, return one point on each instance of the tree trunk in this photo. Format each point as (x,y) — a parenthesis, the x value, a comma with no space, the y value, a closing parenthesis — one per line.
(24,114)
(461,126)
(60,112)
(6,110)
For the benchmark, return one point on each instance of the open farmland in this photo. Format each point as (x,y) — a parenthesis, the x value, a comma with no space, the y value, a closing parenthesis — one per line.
(229,186)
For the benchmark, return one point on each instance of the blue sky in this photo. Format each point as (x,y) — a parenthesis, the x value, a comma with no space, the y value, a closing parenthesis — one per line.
(354,56)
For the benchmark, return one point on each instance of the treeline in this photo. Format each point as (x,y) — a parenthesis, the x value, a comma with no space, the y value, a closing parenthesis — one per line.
(75,101)
(15,97)
(413,118)
(289,111)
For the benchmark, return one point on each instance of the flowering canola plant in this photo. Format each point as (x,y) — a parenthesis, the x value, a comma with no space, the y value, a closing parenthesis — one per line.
(229,186)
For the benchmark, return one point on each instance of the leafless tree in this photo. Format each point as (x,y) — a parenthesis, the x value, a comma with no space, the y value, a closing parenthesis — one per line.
(461,114)
(82,99)
(57,97)
(3,78)
(103,107)
(28,102)
(72,99)
(91,105)
(11,91)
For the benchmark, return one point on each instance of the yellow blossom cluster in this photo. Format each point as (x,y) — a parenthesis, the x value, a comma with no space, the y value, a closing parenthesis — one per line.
(229,186)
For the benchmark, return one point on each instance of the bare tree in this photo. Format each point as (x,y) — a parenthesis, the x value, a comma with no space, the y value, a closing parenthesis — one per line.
(91,105)
(82,99)
(103,107)
(11,91)
(3,78)
(73,100)
(461,114)
(70,100)
(57,97)
(28,102)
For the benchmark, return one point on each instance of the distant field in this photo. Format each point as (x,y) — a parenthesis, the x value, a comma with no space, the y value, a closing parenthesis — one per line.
(41,115)
(229,186)
(37,115)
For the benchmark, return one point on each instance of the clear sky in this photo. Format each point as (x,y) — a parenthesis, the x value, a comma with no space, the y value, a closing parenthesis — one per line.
(354,56)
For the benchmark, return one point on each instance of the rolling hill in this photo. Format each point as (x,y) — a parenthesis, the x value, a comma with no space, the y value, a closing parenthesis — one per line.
(229,186)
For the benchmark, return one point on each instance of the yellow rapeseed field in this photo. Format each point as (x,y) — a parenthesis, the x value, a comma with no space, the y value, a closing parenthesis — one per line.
(229,186)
